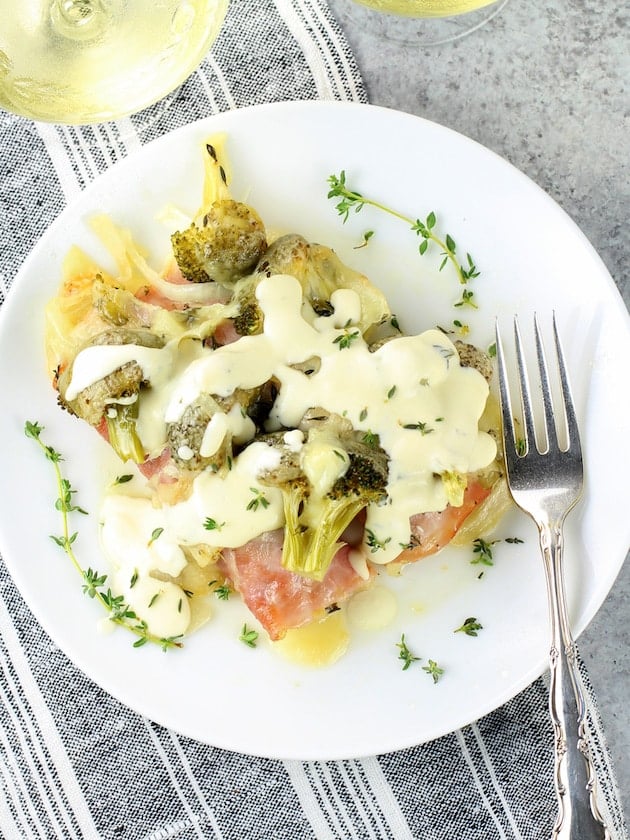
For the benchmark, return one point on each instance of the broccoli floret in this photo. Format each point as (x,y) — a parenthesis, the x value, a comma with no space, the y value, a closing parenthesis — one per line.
(187,435)
(115,397)
(225,247)
(471,356)
(122,434)
(320,273)
(250,318)
(315,516)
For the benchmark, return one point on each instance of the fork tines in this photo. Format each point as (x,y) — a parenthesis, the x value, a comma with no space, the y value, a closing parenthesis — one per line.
(565,411)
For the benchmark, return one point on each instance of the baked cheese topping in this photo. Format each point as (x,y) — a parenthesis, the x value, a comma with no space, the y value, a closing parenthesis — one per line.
(411,391)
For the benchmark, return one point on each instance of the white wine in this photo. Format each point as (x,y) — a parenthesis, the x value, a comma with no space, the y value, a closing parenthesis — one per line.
(79,61)
(425,8)
(418,23)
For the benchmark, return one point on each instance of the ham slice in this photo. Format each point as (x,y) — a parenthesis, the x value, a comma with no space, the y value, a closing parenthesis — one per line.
(279,599)
(282,600)
(432,531)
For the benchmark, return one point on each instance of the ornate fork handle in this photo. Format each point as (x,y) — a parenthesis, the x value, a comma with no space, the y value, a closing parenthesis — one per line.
(578,815)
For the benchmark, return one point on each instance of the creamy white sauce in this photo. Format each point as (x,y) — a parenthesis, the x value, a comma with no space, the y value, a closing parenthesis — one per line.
(412,392)
(94,363)
(151,422)
(372,609)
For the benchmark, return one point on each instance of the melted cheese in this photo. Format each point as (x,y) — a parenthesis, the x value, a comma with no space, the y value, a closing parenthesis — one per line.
(317,644)
(94,363)
(411,391)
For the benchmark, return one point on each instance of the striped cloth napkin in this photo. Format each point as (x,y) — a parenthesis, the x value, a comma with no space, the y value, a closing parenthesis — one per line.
(74,762)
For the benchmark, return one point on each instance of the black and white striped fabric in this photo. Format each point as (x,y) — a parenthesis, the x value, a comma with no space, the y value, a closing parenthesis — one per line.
(75,763)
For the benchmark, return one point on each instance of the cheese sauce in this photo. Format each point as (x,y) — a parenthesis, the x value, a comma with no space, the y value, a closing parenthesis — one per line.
(411,392)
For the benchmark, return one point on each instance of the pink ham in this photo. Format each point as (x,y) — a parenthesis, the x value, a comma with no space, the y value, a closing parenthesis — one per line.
(432,531)
(279,599)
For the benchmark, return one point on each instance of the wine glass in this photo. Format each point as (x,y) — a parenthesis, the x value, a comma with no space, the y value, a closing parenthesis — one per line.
(81,61)
(417,22)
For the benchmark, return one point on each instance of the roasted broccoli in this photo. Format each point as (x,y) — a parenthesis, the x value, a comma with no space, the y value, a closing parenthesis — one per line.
(321,272)
(224,247)
(249,320)
(212,429)
(325,481)
(115,396)
(471,356)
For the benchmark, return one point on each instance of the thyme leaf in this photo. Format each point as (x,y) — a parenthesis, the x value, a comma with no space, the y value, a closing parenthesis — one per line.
(259,500)
(374,543)
(222,591)
(123,479)
(434,670)
(404,654)
(470,627)
(482,552)
(248,637)
(345,339)
(420,427)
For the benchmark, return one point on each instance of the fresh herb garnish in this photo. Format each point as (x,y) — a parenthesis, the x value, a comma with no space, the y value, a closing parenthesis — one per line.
(467,299)
(374,543)
(211,524)
(404,654)
(345,339)
(470,627)
(483,552)
(366,238)
(222,591)
(156,533)
(248,637)
(433,669)
(93,582)
(420,427)
(370,438)
(351,200)
(123,479)
(446,352)
(259,500)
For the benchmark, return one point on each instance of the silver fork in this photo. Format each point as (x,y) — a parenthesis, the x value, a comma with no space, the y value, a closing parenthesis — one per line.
(545,479)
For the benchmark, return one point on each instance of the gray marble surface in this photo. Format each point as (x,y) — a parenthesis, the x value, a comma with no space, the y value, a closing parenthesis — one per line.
(543,84)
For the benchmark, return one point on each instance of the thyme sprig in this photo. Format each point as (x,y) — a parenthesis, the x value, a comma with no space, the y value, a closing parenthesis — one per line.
(482,550)
(405,654)
(94,583)
(470,627)
(352,200)
(433,669)
(345,339)
(408,658)
(248,636)
(374,543)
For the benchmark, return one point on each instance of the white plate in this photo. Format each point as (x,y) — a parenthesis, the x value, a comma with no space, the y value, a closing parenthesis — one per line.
(531,256)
